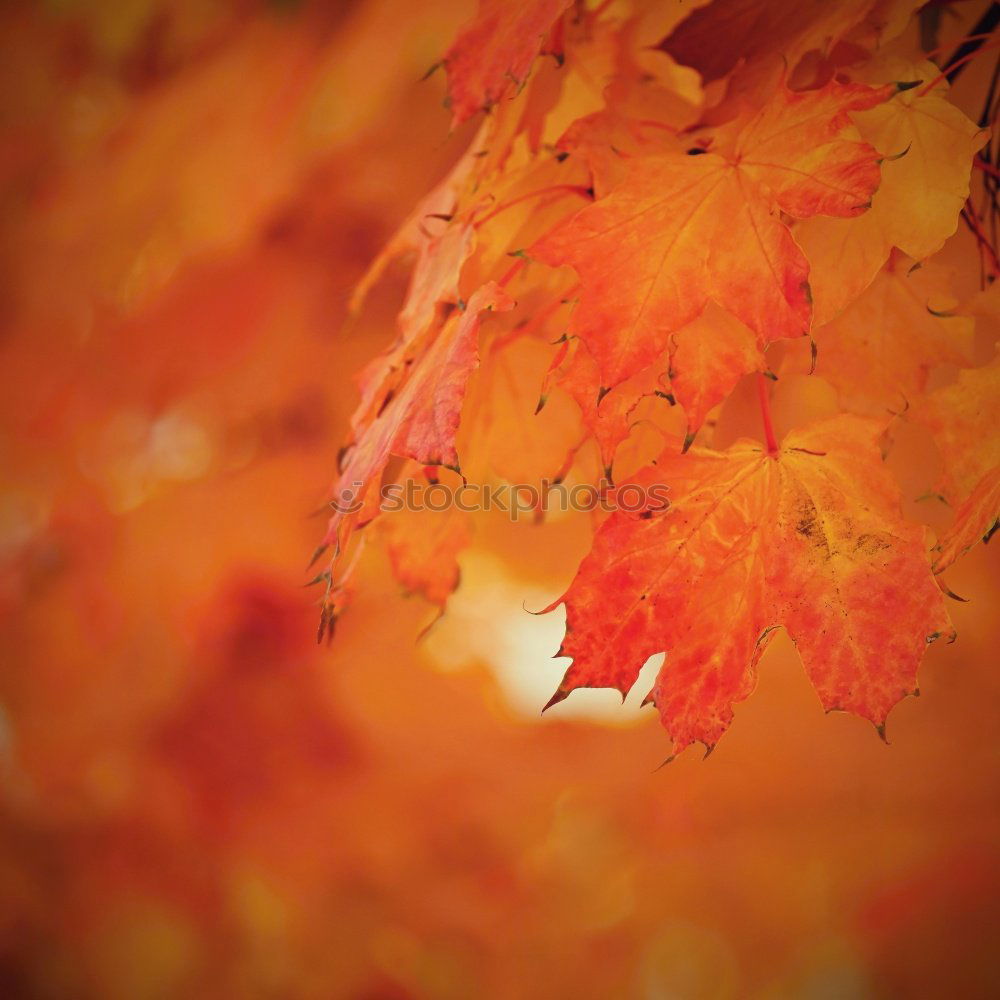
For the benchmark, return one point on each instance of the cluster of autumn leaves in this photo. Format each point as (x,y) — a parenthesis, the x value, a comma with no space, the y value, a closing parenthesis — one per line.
(198,800)
(655,198)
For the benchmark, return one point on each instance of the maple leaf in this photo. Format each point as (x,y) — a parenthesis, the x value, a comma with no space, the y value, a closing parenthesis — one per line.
(681,229)
(432,294)
(423,547)
(419,419)
(976,519)
(702,243)
(963,419)
(434,281)
(521,205)
(810,538)
(421,230)
(607,415)
(512,437)
(928,145)
(716,38)
(493,54)
(707,358)
(877,353)
(604,140)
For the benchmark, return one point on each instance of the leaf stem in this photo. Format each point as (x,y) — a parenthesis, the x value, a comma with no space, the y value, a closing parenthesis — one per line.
(531,326)
(763,396)
(511,271)
(951,68)
(972,220)
(980,36)
(987,168)
(553,189)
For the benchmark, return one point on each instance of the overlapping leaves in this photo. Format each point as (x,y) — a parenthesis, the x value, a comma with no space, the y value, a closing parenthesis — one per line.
(653,250)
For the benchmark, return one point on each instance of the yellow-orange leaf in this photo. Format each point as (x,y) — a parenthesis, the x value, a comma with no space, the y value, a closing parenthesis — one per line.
(423,547)
(976,519)
(928,145)
(964,419)
(511,436)
(878,352)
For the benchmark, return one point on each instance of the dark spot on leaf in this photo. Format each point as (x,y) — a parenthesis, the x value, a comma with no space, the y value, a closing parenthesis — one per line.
(807,524)
(870,544)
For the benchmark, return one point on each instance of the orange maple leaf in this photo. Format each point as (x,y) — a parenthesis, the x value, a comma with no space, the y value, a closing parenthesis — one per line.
(512,436)
(493,54)
(708,357)
(607,415)
(681,229)
(423,546)
(809,538)
(419,418)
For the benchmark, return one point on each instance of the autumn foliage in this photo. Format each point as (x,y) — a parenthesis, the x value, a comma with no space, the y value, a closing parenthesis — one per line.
(679,223)
(738,251)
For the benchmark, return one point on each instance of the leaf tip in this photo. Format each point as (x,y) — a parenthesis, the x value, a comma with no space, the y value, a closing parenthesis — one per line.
(948,592)
(327,626)
(317,552)
(432,70)
(559,696)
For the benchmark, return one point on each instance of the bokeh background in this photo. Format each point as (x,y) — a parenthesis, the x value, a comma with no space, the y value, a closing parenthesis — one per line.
(199,801)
